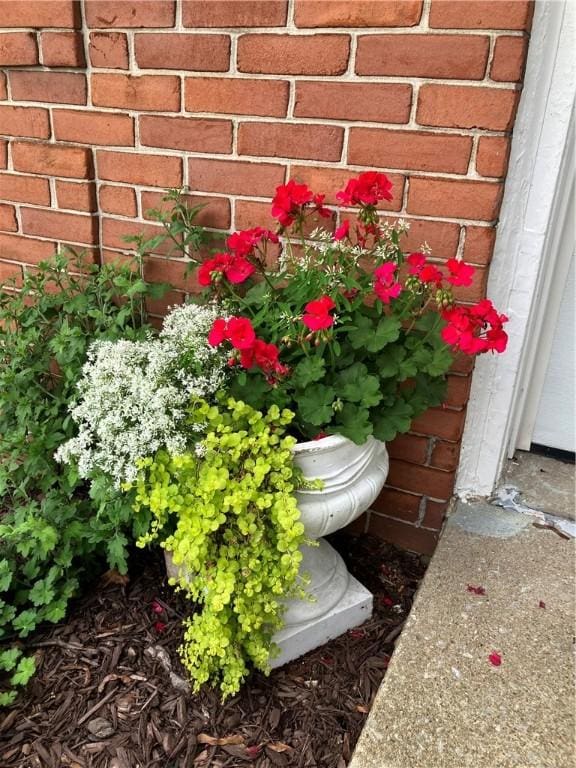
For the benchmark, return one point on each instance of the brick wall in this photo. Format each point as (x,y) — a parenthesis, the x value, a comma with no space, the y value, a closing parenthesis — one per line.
(105,103)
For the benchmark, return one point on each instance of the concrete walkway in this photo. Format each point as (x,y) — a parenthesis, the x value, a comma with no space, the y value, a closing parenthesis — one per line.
(443,704)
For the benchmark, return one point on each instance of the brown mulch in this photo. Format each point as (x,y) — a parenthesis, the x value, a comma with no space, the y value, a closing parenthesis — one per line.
(103,697)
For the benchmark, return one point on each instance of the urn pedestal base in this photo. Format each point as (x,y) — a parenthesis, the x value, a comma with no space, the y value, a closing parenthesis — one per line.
(353,607)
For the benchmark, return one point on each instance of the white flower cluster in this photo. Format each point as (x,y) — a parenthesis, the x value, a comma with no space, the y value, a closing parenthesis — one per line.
(134,395)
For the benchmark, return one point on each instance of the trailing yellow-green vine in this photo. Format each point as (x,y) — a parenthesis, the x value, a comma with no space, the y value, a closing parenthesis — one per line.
(227,513)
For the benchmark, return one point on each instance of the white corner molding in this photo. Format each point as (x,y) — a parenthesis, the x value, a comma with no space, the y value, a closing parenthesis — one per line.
(541,167)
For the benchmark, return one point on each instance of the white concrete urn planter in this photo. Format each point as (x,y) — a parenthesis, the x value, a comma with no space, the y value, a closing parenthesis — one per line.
(352,476)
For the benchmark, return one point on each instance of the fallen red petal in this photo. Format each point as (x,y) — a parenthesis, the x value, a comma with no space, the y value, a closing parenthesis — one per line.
(156,607)
(541,604)
(159,626)
(387,601)
(476,590)
(495,659)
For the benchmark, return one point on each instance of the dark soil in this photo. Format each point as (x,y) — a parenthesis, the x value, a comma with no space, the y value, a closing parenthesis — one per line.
(103,698)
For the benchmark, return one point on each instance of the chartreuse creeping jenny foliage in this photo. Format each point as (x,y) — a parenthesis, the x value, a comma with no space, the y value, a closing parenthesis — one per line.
(236,535)
(52,529)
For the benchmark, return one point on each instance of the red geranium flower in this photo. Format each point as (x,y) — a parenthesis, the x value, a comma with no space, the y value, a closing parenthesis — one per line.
(288,201)
(460,272)
(214,266)
(342,231)
(240,333)
(416,262)
(385,287)
(368,189)
(318,201)
(217,333)
(244,242)
(476,329)
(495,659)
(239,270)
(317,313)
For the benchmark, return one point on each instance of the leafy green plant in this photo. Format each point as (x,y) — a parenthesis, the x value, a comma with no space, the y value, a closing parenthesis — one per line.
(226,512)
(51,527)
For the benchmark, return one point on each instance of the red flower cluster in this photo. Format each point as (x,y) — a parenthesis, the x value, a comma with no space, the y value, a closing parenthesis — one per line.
(317,315)
(368,189)
(459,273)
(385,286)
(342,231)
(236,269)
(243,243)
(251,350)
(475,329)
(290,199)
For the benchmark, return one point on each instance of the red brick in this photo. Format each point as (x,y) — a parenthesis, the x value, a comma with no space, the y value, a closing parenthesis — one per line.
(461,57)
(187,133)
(202,53)
(130,13)
(10,273)
(8,221)
(378,102)
(403,535)
(411,150)
(416,479)
(479,244)
(76,196)
(445,455)
(18,49)
(69,227)
(402,506)
(476,291)
(119,200)
(441,236)
(357,527)
(509,59)
(3,154)
(24,189)
(293,54)
(52,159)
(62,49)
(249,213)
(458,391)
(162,305)
(234,13)
(54,87)
(150,170)
(410,448)
(480,14)
(479,200)
(25,121)
(266,98)
(359,13)
(329,181)
(3,86)
(108,49)
(440,422)
(492,156)
(56,13)
(156,270)
(25,249)
(161,270)
(153,93)
(303,142)
(215,213)
(435,514)
(233,177)
(460,106)
(462,364)
(88,127)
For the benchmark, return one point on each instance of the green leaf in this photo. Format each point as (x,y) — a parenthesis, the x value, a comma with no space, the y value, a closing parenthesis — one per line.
(373,336)
(25,670)
(308,370)
(427,392)
(116,549)
(5,575)
(354,423)
(315,404)
(393,420)
(41,593)
(358,386)
(7,698)
(9,658)
(25,622)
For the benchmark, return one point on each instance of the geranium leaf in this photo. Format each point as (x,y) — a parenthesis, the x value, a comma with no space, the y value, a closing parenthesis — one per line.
(315,404)
(392,420)
(308,370)
(356,385)
(354,423)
